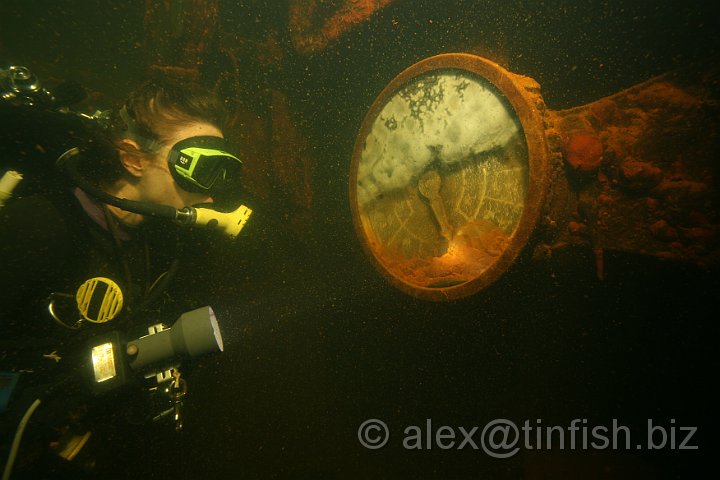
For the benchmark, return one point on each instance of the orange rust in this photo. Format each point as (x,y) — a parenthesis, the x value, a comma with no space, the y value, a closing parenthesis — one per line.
(584,152)
(599,263)
(639,175)
(603,110)
(175,71)
(604,198)
(576,227)
(471,251)
(702,234)
(663,230)
(654,192)
(314,28)
(652,203)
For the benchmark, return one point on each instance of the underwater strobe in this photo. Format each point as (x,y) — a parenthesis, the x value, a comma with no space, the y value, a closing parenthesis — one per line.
(194,334)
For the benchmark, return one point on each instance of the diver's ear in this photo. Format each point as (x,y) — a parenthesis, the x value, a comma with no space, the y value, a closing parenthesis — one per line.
(131,157)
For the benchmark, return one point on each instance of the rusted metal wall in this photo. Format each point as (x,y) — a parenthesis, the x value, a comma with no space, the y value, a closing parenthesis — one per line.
(184,37)
(631,172)
(178,34)
(314,24)
(640,170)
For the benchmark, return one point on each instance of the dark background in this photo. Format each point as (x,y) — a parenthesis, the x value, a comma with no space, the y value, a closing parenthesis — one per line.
(317,342)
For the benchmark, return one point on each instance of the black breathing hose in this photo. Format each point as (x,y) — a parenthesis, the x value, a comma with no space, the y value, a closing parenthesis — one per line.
(68,162)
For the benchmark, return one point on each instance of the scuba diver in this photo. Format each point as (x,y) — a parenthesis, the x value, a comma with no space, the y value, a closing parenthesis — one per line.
(102,247)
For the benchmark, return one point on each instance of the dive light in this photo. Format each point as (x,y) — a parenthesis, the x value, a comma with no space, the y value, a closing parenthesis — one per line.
(195,333)
(8,182)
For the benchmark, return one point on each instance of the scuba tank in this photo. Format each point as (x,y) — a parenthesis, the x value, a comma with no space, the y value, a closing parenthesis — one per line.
(42,142)
(36,126)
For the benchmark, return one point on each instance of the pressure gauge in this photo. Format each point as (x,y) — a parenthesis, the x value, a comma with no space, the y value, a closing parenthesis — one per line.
(447,175)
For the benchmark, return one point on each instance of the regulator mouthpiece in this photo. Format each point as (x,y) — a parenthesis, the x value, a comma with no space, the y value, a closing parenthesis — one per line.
(231,223)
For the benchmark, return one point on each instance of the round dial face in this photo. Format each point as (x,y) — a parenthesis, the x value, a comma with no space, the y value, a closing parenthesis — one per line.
(441,179)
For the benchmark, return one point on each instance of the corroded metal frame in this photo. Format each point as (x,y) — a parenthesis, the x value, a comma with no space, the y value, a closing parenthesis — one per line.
(524,96)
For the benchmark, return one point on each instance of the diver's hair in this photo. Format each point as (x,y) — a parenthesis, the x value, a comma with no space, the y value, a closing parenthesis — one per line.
(161,106)
(158,108)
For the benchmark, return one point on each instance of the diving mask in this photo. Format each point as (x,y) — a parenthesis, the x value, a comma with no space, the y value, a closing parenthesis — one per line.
(198,163)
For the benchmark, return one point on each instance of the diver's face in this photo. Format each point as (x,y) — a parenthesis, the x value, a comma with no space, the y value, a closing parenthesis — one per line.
(157,183)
